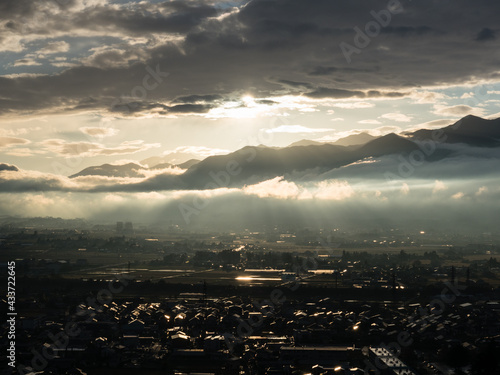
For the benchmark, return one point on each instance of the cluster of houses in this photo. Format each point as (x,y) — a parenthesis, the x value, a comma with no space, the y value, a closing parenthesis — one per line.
(236,335)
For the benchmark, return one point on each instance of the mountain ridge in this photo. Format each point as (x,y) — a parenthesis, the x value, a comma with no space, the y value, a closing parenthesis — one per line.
(252,164)
(471,130)
(350,140)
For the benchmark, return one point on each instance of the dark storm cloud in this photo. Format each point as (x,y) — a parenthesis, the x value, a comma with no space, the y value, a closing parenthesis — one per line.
(327,70)
(191,99)
(390,94)
(323,70)
(10,8)
(139,17)
(8,167)
(266,102)
(266,48)
(407,31)
(86,103)
(294,84)
(181,17)
(324,92)
(189,108)
(485,34)
(138,107)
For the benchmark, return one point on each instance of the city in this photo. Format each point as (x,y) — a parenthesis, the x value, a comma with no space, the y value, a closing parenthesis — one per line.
(243,304)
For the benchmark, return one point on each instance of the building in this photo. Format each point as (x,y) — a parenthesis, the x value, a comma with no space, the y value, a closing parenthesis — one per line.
(388,363)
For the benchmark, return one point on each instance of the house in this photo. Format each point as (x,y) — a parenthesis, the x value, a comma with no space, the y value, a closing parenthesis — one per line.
(134,327)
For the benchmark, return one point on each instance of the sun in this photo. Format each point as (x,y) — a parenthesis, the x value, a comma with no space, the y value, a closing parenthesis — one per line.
(244,108)
(248,100)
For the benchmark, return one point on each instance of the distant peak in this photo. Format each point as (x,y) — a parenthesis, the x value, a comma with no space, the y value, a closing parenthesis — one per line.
(305,142)
(472,117)
(391,135)
(388,137)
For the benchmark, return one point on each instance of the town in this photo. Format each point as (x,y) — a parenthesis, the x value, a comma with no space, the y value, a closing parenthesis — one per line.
(124,301)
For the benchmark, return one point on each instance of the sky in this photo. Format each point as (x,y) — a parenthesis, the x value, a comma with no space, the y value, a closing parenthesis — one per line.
(88,82)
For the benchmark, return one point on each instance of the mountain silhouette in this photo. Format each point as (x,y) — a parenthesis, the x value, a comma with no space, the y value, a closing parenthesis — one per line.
(471,130)
(355,139)
(109,170)
(350,140)
(253,164)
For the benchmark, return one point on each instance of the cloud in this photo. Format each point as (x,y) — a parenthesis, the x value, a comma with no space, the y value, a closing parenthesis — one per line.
(448,161)
(405,189)
(19,131)
(54,47)
(279,188)
(98,18)
(325,92)
(153,195)
(376,132)
(274,188)
(63,64)
(284,54)
(8,167)
(296,129)
(99,132)
(336,93)
(370,122)
(383,130)
(22,152)
(398,117)
(426,96)
(457,110)
(493,116)
(353,105)
(15,180)
(434,124)
(333,190)
(197,99)
(174,171)
(485,35)
(87,149)
(27,61)
(201,152)
(190,108)
(372,205)
(482,190)
(439,186)
(115,198)
(283,49)
(12,141)
(406,31)
(112,57)
(358,195)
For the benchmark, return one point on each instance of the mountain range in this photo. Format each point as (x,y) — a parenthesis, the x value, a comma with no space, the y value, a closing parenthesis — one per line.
(251,165)
(350,140)
(470,130)
(129,170)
